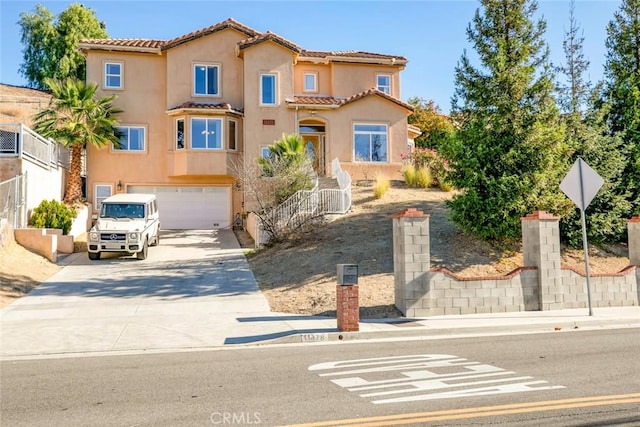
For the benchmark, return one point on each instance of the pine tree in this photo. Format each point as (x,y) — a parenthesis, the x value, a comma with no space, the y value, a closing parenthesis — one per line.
(587,136)
(507,153)
(622,71)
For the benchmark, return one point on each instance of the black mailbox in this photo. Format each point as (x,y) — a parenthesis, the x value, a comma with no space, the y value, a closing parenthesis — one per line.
(347,274)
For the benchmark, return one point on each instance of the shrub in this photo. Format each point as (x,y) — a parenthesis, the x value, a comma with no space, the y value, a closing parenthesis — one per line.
(423,178)
(409,173)
(445,186)
(430,159)
(53,214)
(381,186)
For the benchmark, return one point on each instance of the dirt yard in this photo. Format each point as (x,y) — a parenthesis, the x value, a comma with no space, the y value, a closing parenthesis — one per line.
(300,278)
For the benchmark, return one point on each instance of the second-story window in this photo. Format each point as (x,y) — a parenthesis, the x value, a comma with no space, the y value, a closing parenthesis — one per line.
(268,89)
(310,82)
(113,75)
(206,134)
(131,138)
(206,80)
(384,83)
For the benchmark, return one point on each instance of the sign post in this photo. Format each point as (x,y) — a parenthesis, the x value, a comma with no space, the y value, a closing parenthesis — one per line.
(581,184)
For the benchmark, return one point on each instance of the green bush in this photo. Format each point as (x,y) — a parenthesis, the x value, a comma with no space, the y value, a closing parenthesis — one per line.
(53,214)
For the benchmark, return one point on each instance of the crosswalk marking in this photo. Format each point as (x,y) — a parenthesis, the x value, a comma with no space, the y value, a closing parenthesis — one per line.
(424,377)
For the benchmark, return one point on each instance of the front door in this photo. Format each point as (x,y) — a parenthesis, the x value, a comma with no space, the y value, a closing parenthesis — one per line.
(313,148)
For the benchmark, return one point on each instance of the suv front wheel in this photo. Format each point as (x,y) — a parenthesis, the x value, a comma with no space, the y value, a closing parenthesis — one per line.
(94,256)
(143,253)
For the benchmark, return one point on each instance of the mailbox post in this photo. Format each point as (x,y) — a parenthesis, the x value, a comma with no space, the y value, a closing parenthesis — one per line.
(347,299)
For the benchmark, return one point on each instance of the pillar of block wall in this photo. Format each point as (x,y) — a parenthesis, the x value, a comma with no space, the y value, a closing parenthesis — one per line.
(541,249)
(633,234)
(411,261)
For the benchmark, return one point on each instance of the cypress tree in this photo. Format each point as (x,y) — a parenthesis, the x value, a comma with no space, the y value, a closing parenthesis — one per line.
(508,151)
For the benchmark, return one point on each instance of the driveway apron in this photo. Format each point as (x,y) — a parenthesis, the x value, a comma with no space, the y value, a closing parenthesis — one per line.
(189,292)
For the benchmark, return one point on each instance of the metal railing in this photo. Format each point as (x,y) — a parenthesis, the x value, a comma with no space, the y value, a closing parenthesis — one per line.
(13,206)
(307,204)
(17,140)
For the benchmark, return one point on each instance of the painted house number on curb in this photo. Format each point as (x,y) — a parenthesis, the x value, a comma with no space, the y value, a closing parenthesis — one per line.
(424,377)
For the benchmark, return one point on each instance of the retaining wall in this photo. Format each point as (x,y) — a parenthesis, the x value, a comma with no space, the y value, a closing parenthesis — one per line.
(542,284)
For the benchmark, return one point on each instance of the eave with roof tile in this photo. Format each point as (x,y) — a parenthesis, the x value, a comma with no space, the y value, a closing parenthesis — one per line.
(209,107)
(328,102)
(269,36)
(253,38)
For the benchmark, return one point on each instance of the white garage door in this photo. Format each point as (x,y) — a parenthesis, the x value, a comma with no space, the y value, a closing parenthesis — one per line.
(191,208)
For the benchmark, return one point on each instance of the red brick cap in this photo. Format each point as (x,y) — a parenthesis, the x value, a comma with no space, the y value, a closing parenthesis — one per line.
(411,213)
(634,219)
(539,215)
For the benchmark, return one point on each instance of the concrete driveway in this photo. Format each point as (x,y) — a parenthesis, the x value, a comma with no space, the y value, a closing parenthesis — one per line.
(188,293)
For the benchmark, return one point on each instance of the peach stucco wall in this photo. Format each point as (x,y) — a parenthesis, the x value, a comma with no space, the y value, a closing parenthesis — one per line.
(218,48)
(349,79)
(323,80)
(145,100)
(270,58)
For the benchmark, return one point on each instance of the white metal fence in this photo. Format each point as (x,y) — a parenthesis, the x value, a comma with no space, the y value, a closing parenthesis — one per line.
(17,140)
(307,204)
(13,207)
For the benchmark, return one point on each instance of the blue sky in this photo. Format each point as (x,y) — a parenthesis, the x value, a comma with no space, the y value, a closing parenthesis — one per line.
(430,34)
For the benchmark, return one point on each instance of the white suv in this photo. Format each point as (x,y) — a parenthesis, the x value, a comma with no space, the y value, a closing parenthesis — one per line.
(127,223)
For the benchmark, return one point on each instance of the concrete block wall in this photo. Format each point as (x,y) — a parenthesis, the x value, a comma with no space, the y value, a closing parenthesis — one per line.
(633,233)
(451,294)
(542,284)
(411,259)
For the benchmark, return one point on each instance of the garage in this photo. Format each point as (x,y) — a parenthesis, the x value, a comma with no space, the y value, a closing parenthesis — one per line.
(191,208)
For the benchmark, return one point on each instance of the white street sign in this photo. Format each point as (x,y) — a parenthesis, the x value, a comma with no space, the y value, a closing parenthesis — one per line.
(581,184)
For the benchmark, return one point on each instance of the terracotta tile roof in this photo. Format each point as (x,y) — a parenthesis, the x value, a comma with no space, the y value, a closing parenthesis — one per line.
(316,100)
(228,23)
(374,91)
(339,102)
(206,106)
(352,54)
(253,37)
(269,36)
(129,43)
(168,44)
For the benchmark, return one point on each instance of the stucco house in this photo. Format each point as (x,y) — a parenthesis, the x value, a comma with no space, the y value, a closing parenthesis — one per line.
(195,104)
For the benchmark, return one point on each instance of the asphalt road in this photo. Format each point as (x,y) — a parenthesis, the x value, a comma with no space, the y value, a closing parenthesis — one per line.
(576,378)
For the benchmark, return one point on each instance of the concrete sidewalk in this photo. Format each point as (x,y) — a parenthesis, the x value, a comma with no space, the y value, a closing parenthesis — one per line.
(205,296)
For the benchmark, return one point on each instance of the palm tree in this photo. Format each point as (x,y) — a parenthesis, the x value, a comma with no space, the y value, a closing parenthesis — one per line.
(288,152)
(75,118)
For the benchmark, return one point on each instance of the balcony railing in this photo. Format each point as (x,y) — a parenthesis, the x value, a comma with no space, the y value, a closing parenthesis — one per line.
(17,140)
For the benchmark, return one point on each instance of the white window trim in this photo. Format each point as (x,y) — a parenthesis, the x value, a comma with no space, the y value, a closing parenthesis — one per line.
(104,78)
(97,205)
(222,134)
(353,142)
(207,64)
(275,90)
(235,136)
(144,140)
(315,82)
(390,82)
